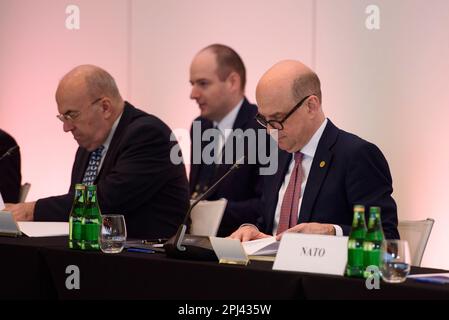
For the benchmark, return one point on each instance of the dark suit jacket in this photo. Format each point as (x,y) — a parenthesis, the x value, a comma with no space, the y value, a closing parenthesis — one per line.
(10,174)
(137,179)
(355,172)
(243,188)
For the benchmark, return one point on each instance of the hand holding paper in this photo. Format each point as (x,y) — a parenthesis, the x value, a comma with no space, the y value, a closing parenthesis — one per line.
(21,211)
(248,233)
(311,228)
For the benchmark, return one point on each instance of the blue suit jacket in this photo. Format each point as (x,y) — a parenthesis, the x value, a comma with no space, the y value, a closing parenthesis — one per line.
(355,172)
(243,188)
(137,179)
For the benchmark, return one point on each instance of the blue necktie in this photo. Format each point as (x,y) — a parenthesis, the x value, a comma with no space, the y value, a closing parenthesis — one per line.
(92,168)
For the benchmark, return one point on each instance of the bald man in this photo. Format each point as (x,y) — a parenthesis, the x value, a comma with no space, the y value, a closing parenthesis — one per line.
(323,171)
(124,151)
(218,78)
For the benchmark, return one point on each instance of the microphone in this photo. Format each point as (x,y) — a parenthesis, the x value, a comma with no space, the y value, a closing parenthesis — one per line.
(192,247)
(9,152)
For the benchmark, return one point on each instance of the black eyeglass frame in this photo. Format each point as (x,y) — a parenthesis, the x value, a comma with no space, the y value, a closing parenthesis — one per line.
(279,125)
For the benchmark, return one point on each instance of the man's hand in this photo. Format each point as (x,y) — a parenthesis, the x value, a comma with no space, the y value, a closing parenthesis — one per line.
(247,233)
(311,228)
(21,211)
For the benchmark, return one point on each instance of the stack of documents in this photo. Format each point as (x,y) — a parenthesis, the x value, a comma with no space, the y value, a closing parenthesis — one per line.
(262,249)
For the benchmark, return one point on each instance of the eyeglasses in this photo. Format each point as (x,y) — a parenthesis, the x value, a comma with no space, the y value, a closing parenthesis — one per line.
(279,125)
(72,115)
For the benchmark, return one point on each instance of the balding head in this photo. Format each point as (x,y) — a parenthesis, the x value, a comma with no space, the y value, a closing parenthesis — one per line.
(90,81)
(291,78)
(217,75)
(89,98)
(279,90)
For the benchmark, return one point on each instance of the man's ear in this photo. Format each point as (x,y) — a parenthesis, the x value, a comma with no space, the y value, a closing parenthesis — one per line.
(313,103)
(106,107)
(234,81)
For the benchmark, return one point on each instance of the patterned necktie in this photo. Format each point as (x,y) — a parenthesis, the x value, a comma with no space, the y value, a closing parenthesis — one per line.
(92,168)
(290,203)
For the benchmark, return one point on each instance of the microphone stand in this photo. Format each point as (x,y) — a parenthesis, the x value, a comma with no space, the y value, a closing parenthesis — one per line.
(9,152)
(194,247)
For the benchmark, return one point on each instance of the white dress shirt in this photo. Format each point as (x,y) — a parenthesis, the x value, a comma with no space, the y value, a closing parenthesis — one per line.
(308,152)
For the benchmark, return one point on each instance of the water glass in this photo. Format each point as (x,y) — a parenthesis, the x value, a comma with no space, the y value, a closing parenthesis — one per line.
(395,261)
(113,233)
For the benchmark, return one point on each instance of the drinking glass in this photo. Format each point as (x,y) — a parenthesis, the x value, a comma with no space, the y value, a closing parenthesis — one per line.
(395,261)
(113,233)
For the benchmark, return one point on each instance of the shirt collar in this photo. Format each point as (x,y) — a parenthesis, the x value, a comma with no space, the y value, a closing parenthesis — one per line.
(111,133)
(310,148)
(228,121)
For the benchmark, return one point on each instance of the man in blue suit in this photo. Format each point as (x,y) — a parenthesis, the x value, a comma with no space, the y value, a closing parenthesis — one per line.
(218,76)
(323,171)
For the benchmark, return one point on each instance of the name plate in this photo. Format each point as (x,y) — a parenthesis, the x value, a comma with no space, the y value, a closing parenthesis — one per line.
(312,253)
(229,251)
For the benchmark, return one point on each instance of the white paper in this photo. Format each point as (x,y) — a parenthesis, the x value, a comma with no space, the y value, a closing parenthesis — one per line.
(2,204)
(44,229)
(261,247)
(312,253)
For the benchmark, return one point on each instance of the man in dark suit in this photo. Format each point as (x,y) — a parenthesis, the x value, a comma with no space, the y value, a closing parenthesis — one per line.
(218,77)
(124,151)
(10,174)
(323,171)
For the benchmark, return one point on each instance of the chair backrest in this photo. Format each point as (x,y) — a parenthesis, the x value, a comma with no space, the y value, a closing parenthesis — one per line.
(417,234)
(206,217)
(24,189)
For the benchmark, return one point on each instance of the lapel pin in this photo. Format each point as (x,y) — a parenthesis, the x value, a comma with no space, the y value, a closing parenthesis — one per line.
(322,164)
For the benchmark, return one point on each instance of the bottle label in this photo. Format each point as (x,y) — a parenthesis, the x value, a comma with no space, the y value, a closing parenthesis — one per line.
(355,257)
(91,232)
(76,230)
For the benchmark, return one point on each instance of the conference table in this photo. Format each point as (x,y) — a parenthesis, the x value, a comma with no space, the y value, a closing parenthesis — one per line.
(39,268)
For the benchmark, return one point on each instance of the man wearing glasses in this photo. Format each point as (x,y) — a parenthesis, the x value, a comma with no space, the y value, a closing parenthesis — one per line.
(122,150)
(323,171)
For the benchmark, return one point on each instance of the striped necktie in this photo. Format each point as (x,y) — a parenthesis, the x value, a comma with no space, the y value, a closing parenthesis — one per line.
(290,203)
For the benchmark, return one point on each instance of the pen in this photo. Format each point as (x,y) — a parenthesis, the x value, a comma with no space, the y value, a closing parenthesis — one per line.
(142,250)
(151,241)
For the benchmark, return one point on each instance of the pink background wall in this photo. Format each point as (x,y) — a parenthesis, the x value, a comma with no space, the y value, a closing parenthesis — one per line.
(388,85)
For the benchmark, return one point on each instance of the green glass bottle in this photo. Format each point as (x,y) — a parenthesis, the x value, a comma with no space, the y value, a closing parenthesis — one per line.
(76,216)
(355,266)
(91,222)
(372,246)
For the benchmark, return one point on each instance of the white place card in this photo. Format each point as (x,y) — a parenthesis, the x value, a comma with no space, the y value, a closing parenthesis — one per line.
(312,253)
(229,250)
